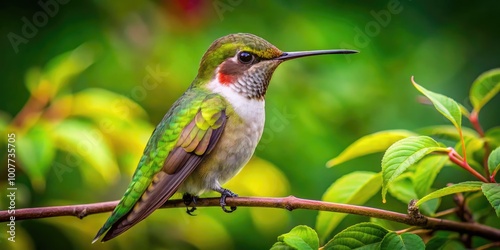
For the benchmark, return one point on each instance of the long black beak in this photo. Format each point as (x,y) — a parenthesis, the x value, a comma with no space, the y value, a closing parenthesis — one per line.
(291,55)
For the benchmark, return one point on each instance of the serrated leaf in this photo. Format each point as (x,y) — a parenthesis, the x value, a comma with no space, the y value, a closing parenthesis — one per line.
(360,236)
(281,246)
(425,173)
(494,161)
(300,237)
(447,132)
(492,193)
(36,152)
(403,241)
(445,105)
(355,188)
(403,154)
(85,141)
(467,186)
(373,143)
(485,87)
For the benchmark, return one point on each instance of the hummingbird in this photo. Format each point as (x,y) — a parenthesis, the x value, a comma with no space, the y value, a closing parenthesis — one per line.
(208,134)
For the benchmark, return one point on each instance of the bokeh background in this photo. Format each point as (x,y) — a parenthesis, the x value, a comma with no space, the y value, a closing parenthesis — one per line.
(83,83)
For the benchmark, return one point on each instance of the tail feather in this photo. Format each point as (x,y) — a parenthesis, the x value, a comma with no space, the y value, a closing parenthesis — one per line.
(98,235)
(160,190)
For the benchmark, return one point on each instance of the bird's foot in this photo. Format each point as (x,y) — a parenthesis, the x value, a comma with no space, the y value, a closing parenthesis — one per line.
(188,199)
(224,194)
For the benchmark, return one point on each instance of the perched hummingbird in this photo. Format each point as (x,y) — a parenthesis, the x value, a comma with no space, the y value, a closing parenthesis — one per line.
(209,133)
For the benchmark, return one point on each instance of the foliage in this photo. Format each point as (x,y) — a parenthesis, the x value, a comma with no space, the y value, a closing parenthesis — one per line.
(419,158)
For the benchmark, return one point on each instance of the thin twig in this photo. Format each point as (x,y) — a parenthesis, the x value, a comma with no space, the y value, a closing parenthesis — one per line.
(415,230)
(290,203)
(489,245)
(445,212)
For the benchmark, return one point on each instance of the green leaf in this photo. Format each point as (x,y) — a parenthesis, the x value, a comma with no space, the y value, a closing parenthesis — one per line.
(281,246)
(388,224)
(455,245)
(373,143)
(464,110)
(360,236)
(300,237)
(426,172)
(60,70)
(403,154)
(485,87)
(447,132)
(32,79)
(36,152)
(493,136)
(494,161)
(86,142)
(436,243)
(403,241)
(474,147)
(467,186)
(445,105)
(492,193)
(4,123)
(403,189)
(354,188)
(296,242)
(100,103)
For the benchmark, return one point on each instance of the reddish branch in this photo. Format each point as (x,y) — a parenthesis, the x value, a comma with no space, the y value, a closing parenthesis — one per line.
(290,203)
(457,159)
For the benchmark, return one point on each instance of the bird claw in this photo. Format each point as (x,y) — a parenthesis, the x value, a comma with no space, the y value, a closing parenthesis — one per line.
(224,194)
(188,199)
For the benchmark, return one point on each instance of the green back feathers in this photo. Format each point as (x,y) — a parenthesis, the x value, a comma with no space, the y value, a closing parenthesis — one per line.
(196,105)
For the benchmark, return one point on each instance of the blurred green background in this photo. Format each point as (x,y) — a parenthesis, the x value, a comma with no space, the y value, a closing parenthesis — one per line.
(93,78)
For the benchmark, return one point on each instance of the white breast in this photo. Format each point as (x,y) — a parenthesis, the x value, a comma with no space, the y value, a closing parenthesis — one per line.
(234,148)
(251,111)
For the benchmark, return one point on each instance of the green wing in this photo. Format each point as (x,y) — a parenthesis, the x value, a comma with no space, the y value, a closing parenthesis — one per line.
(187,133)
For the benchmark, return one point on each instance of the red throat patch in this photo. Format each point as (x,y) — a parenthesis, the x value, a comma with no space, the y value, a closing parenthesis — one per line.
(225,79)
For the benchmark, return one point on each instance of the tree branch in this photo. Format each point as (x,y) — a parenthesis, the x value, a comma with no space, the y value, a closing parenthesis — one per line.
(290,203)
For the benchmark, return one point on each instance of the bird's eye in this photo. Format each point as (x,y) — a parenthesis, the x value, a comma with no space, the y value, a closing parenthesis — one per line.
(245,57)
